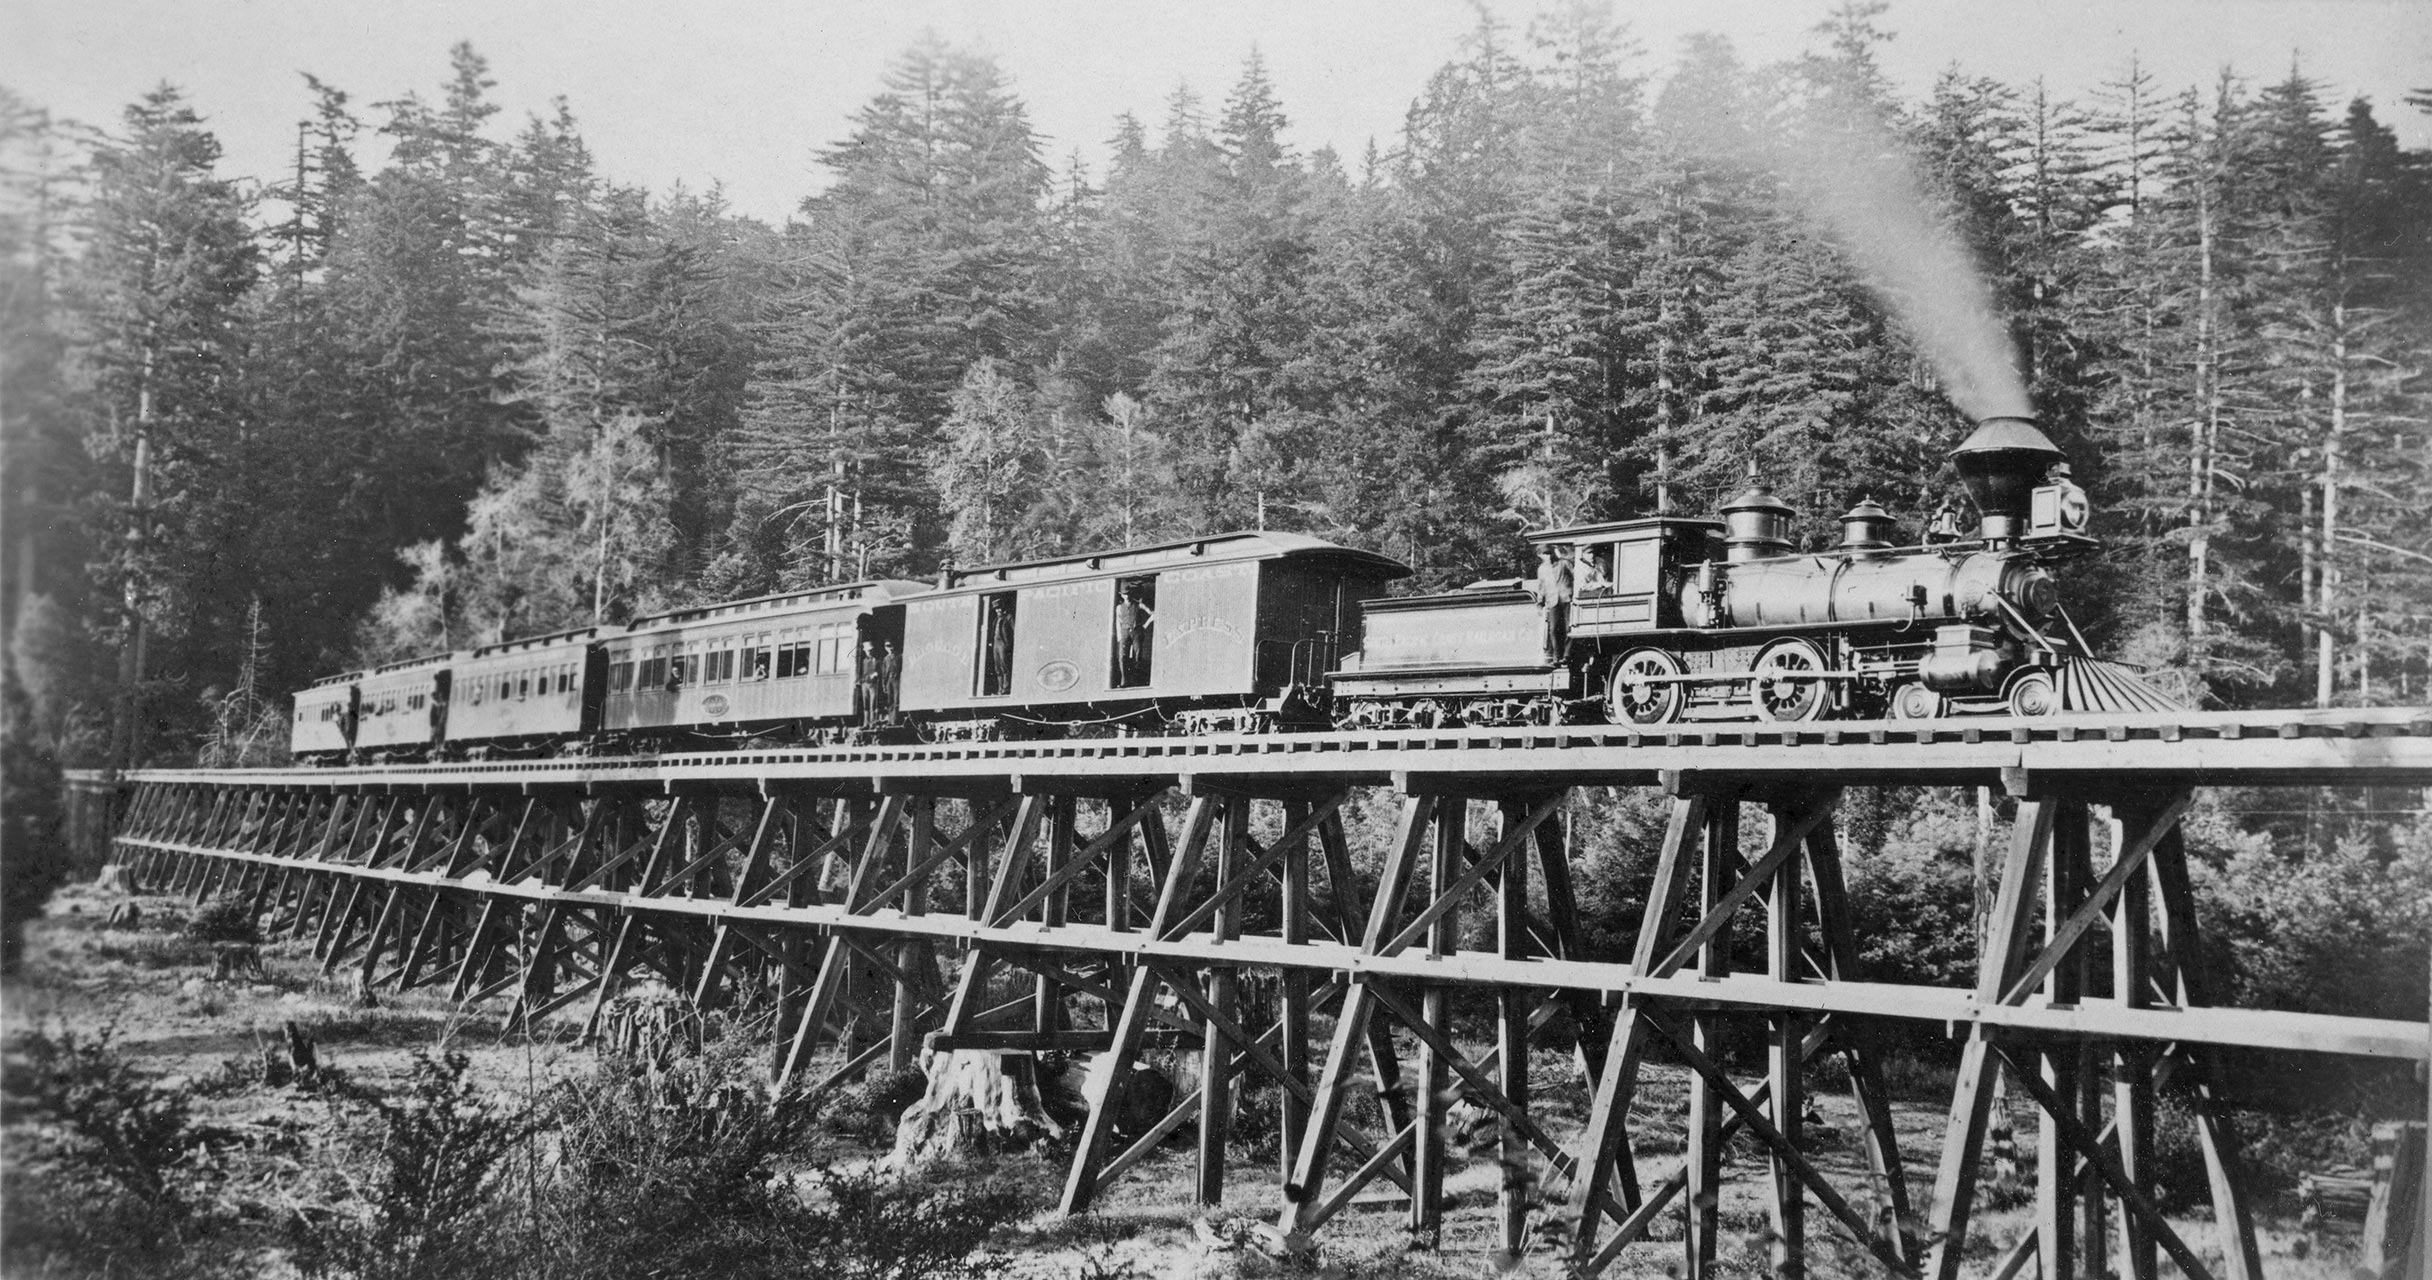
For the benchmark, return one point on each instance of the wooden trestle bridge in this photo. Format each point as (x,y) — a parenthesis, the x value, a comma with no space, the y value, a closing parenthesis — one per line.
(1082,895)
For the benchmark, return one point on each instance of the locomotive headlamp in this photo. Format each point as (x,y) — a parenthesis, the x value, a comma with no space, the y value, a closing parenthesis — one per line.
(2060,506)
(2059,515)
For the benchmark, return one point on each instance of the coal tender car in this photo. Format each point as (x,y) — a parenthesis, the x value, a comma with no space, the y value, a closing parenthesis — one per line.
(1682,619)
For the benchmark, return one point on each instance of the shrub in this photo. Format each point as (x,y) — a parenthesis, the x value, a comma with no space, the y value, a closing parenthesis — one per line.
(432,1203)
(1914,911)
(34,858)
(868,1225)
(697,1135)
(110,1122)
(58,1230)
(677,1169)
(869,1109)
(2332,931)
(101,1176)
(228,918)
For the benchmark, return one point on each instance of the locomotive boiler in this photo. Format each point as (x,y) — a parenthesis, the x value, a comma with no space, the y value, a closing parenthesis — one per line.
(1675,618)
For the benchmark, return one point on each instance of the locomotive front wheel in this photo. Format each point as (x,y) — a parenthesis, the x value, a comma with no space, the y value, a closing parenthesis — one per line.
(1913,701)
(1644,688)
(1786,683)
(2034,693)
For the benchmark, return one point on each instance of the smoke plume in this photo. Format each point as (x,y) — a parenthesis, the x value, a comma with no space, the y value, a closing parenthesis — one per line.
(1858,180)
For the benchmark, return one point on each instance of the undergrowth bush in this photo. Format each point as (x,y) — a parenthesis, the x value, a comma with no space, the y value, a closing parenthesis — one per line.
(430,1202)
(104,1173)
(227,918)
(681,1167)
(101,1117)
(869,1109)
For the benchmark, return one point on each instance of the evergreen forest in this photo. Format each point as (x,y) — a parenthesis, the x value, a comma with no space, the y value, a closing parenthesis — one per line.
(443,382)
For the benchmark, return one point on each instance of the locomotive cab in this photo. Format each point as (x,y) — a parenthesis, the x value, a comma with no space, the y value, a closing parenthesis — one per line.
(1619,586)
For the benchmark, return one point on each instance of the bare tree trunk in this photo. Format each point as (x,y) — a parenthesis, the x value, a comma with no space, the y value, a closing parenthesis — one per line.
(2326,599)
(2205,432)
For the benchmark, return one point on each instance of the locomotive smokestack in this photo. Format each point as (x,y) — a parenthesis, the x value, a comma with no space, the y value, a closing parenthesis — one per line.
(2001,464)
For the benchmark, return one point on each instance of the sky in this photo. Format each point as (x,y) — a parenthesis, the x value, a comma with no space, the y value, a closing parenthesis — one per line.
(745,93)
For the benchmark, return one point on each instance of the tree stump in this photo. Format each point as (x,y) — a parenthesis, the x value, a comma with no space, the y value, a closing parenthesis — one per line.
(651,1023)
(977,1101)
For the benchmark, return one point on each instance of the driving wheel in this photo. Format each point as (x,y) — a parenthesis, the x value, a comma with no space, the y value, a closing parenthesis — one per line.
(1787,682)
(1645,688)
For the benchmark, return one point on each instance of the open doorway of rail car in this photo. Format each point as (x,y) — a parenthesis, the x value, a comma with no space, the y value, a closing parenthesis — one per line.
(879,638)
(996,644)
(1135,639)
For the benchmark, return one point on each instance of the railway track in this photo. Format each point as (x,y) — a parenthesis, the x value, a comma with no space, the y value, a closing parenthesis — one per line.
(2332,747)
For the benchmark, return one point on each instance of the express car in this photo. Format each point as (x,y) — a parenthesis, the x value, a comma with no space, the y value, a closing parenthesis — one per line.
(1234,631)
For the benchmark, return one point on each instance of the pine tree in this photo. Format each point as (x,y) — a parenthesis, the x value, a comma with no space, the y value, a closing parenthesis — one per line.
(45,473)
(2331,243)
(990,473)
(160,294)
(415,282)
(2219,394)
(2128,327)
(923,258)
(1698,189)
(1550,361)
(1235,325)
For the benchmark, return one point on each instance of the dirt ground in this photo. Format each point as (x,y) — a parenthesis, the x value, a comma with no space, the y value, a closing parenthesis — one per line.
(151,989)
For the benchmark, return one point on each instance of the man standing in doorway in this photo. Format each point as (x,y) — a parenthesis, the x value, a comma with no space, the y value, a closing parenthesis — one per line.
(1553,593)
(865,685)
(890,678)
(1132,620)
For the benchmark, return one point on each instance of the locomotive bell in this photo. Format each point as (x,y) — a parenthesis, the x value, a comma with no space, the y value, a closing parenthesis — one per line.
(2001,465)
(1756,524)
(1867,527)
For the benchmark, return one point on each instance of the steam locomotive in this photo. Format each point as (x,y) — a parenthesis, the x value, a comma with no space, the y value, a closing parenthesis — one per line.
(1674,618)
